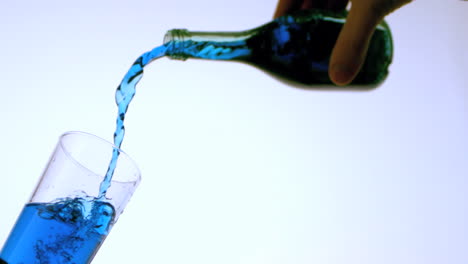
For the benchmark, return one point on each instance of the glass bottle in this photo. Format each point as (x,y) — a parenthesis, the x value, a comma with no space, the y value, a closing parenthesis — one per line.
(294,48)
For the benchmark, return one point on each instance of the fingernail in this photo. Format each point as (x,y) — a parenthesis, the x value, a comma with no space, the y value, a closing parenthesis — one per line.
(341,74)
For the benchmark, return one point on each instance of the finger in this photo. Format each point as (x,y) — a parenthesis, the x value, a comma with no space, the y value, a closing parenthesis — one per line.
(351,46)
(286,6)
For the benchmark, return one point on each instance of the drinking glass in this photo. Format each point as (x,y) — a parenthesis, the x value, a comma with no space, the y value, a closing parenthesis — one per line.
(66,220)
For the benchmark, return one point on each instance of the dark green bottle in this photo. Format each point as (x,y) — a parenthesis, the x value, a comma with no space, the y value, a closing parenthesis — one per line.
(294,48)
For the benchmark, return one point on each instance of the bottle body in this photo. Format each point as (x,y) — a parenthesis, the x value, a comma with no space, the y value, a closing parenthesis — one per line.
(294,48)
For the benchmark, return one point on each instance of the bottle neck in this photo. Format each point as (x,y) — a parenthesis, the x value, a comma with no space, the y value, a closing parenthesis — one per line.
(182,44)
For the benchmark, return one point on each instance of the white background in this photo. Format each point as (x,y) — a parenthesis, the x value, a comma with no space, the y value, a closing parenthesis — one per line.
(237,167)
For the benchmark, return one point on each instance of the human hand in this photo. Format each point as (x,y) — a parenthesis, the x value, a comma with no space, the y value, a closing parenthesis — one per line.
(351,46)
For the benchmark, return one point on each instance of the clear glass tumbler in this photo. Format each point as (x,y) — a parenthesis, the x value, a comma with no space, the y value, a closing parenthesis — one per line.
(65,221)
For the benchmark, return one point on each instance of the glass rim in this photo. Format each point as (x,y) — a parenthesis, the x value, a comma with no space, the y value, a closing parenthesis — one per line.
(136,179)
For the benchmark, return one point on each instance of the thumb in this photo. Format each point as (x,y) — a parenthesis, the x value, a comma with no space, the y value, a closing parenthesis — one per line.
(351,46)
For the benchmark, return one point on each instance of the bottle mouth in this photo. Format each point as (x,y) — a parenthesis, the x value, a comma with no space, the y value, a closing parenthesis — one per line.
(175,35)
(175,40)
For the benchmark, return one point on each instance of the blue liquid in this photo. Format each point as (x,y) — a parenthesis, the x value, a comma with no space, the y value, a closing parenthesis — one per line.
(123,96)
(211,50)
(127,88)
(68,231)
